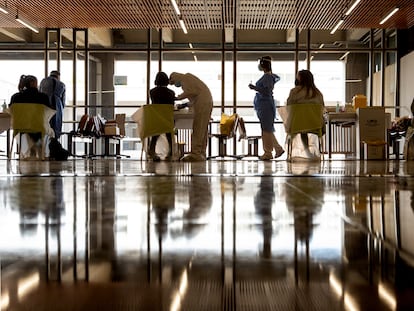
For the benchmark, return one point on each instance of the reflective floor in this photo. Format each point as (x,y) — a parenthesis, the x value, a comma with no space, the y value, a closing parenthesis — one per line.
(218,235)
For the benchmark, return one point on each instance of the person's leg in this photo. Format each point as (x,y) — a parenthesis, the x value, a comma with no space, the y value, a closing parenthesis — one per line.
(151,151)
(267,141)
(305,141)
(200,131)
(277,147)
(170,144)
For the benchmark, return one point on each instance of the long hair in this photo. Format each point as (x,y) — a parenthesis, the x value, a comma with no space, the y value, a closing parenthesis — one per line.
(306,81)
(22,81)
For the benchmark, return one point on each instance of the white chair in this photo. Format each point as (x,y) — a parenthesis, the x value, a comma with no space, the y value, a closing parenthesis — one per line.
(252,141)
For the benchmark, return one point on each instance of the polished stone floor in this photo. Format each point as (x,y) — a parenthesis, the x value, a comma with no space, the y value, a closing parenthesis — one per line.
(122,234)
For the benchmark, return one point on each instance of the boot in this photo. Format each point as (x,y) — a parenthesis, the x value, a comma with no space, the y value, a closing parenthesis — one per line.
(267,146)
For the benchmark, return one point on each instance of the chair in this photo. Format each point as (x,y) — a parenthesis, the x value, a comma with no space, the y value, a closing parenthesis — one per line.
(27,118)
(231,123)
(252,141)
(5,120)
(304,118)
(152,120)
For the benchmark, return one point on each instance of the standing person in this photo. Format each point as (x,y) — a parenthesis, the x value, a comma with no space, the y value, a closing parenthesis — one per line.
(200,98)
(161,94)
(304,92)
(56,90)
(264,105)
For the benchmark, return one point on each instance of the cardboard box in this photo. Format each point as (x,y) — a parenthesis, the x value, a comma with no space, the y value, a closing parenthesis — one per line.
(120,121)
(375,151)
(371,127)
(111,130)
(371,123)
(359,101)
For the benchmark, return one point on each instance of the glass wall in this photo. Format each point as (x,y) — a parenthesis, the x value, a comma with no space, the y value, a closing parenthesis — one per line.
(108,72)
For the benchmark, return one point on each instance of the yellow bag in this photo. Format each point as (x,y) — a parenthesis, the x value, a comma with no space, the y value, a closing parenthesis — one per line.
(227,123)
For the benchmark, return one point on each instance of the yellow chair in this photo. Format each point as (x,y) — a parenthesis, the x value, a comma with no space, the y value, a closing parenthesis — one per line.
(304,118)
(27,118)
(228,130)
(152,120)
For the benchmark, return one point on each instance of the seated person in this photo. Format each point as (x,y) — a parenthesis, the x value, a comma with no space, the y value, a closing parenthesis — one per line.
(305,91)
(29,94)
(161,94)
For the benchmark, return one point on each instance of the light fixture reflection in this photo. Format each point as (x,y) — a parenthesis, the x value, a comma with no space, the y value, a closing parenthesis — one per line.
(343,56)
(27,284)
(336,286)
(182,290)
(5,300)
(387,296)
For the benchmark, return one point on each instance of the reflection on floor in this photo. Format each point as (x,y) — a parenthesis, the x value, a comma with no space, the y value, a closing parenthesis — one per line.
(219,235)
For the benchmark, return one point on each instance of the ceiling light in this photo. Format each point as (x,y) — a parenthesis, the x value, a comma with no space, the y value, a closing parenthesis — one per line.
(389,15)
(26,24)
(4,9)
(182,25)
(337,26)
(190,45)
(175,6)
(352,7)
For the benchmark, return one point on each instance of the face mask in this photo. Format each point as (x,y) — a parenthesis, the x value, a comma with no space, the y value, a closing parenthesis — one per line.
(260,67)
(177,84)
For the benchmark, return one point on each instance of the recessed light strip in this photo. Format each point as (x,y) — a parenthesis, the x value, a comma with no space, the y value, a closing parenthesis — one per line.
(389,15)
(182,25)
(4,9)
(352,7)
(175,6)
(26,24)
(337,26)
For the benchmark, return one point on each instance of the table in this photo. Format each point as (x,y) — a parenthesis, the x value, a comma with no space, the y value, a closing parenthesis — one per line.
(92,141)
(183,123)
(341,126)
(183,119)
(5,124)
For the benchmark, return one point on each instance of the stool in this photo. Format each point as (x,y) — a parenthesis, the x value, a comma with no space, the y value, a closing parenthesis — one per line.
(253,145)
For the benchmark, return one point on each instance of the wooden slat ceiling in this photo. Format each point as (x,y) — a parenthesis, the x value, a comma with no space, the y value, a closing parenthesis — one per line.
(207,14)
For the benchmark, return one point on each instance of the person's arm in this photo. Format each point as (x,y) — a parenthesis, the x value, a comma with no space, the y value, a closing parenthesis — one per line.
(266,85)
(64,96)
(289,100)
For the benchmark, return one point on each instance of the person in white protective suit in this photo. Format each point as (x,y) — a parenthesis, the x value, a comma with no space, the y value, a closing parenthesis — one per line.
(200,99)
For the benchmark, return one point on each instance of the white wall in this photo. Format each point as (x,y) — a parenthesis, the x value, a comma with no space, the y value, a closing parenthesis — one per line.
(407,83)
